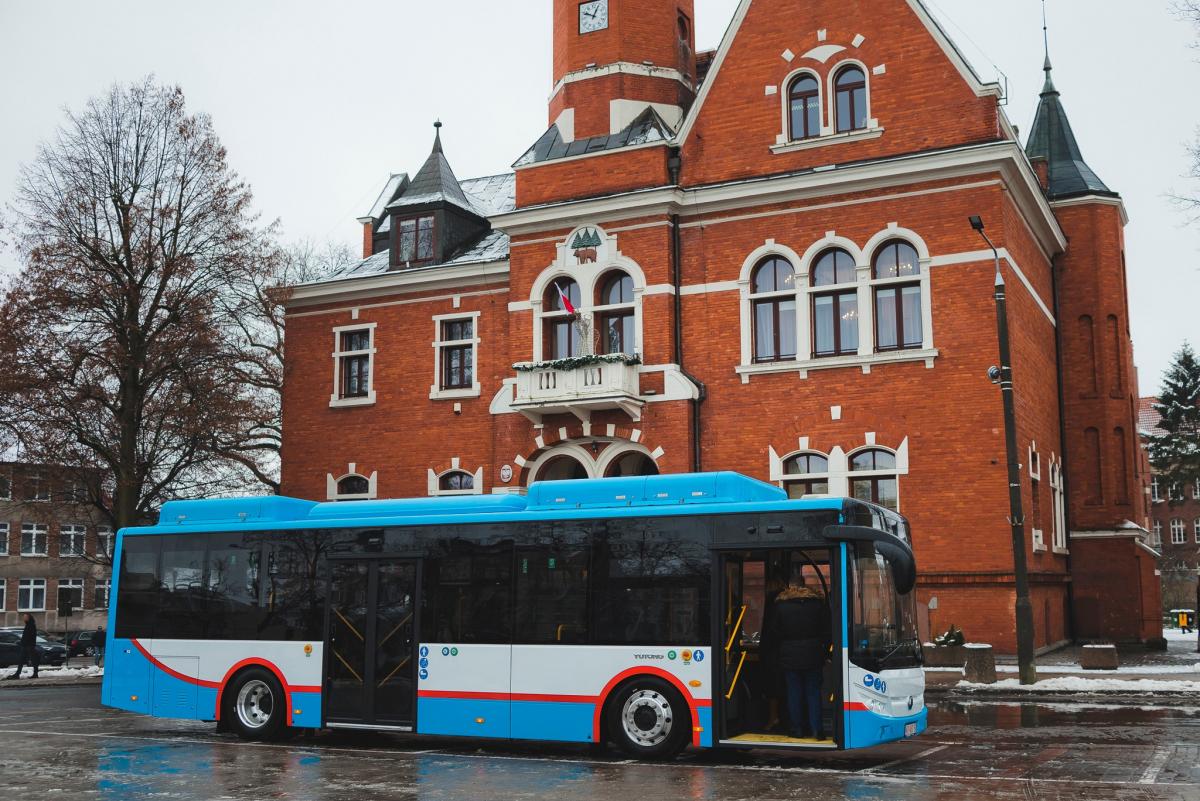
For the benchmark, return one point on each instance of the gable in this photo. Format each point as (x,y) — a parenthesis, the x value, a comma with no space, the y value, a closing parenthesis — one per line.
(921,93)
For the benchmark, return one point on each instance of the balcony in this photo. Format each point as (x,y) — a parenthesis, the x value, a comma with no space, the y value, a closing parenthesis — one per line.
(570,388)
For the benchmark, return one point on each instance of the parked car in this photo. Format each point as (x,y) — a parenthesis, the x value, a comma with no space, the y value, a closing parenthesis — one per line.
(10,649)
(80,642)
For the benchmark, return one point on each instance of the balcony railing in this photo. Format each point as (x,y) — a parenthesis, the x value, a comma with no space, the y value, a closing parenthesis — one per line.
(579,390)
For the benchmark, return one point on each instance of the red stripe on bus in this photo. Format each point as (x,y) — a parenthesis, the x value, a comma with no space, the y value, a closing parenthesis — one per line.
(544,697)
(693,703)
(212,685)
(856,706)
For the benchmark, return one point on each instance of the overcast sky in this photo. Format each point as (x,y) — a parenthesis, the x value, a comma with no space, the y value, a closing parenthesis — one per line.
(318,101)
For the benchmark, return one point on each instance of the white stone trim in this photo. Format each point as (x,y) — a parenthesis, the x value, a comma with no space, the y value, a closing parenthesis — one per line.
(335,398)
(786,105)
(839,474)
(859,135)
(331,485)
(1092,200)
(435,390)
(622,68)
(418,279)
(831,98)
(434,479)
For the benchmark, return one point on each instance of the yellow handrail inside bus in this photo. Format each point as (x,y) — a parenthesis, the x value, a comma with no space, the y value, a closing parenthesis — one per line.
(736,628)
(353,672)
(393,631)
(393,673)
(736,674)
(349,625)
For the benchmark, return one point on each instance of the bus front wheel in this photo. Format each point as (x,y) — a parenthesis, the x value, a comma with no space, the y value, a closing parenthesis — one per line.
(254,706)
(648,719)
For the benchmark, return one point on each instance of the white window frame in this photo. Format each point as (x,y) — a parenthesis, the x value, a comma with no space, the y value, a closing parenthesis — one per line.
(105,541)
(104,585)
(589,276)
(4,532)
(1175,492)
(1156,534)
(3,594)
(1178,531)
(789,478)
(35,529)
(335,399)
(331,485)
(435,390)
(1196,529)
(1058,540)
(69,532)
(435,480)
(829,133)
(863,285)
(72,584)
(1196,489)
(852,474)
(31,586)
(43,483)
(1155,489)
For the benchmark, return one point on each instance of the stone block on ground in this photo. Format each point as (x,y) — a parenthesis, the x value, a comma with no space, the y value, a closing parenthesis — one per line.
(1099,657)
(944,656)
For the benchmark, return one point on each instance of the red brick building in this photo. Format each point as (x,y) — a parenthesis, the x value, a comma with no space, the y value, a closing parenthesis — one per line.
(767,252)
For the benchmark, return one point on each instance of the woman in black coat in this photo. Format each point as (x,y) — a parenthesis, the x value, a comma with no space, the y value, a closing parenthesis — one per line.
(801,632)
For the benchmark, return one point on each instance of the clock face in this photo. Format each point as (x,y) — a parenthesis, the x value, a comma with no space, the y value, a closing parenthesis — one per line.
(593,16)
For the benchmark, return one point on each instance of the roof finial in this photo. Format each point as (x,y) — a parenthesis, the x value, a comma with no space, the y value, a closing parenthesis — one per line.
(1046,67)
(437,136)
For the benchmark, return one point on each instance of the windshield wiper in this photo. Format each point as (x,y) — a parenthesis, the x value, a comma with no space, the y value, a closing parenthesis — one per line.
(897,647)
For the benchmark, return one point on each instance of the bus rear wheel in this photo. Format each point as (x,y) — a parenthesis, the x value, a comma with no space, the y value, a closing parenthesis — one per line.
(254,706)
(648,719)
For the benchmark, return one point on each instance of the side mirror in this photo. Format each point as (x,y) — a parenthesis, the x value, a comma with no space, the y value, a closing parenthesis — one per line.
(903,565)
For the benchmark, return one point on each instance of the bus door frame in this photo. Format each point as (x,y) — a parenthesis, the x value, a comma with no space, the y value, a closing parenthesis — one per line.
(373,561)
(838,595)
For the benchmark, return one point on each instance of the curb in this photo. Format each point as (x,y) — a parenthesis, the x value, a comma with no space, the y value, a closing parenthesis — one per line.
(1163,697)
(21,684)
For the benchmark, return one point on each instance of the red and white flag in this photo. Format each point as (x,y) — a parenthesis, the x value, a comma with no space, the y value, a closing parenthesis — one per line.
(566,301)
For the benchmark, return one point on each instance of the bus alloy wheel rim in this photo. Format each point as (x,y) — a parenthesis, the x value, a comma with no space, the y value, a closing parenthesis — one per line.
(255,703)
(647,717)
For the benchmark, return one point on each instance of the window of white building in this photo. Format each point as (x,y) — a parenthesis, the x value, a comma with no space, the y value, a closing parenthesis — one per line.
(104,541)
(1156,534)
(1155,489)
(34,537)
(70,591)
(71,539)
(1178,531)
(103,592)
(31,595)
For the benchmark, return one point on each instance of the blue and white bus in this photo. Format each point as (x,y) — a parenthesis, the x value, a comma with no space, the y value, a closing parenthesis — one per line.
(626,610)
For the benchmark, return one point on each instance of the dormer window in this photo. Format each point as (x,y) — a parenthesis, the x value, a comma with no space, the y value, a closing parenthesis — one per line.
(414,240)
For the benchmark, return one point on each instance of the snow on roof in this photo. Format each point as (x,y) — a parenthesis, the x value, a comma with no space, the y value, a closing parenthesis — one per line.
(492,194)
(1148,417)
(493,247)
(389,191)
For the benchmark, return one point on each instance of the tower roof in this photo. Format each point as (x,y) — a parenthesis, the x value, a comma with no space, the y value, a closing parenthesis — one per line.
(434,183)
(1053,140)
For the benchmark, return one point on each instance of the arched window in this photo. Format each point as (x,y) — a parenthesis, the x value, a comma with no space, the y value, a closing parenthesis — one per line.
(560,335)
(1178,531)
(633,463)
(615,314)
(806,474)
(835,305)
(773,301)
(456,481)
(873,478)
(896,273)
(562,468)
(804,105)
(353,488)
(850,86)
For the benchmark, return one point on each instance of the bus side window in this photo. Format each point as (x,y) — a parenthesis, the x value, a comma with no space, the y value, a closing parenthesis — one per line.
(552,581)
(469,587)
(184,606)
(234,586)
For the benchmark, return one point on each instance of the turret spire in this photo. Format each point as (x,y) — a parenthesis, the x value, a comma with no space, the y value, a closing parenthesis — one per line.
(437,136)
(1048,87)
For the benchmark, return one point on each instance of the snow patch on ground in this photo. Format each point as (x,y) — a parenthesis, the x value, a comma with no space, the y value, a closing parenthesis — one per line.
(88,672)
(1083,686)
(1175,635)
(1144,670)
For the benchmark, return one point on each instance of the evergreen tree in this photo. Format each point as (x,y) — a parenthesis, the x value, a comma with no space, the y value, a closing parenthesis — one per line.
(1175,453)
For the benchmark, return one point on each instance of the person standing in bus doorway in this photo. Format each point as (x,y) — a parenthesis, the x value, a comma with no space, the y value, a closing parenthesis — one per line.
(98,639)
(802,629)
(29,651)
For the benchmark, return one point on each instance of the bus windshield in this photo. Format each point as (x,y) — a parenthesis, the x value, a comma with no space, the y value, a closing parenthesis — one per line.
(884,624)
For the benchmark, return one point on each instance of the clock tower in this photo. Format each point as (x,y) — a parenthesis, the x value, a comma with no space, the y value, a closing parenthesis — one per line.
(615,58)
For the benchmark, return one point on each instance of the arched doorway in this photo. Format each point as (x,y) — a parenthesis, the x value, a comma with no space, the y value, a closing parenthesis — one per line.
(631,463)
(561,468)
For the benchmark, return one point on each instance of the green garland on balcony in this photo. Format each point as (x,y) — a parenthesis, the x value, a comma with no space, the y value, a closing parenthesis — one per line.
(576,362)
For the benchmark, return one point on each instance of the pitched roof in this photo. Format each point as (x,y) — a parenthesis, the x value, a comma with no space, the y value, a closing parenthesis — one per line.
(1052,139)
(1148,417)
(434,183)
(396,183)
(648,127)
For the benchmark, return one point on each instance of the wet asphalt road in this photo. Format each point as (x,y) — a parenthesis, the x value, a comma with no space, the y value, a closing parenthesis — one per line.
(59,742)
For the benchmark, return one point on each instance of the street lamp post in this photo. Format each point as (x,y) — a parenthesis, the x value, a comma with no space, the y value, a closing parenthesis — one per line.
(1024,607)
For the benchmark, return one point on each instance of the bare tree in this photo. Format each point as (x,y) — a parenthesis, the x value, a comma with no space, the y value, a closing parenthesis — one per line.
(256,308)
(115,350)
(1190,201)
